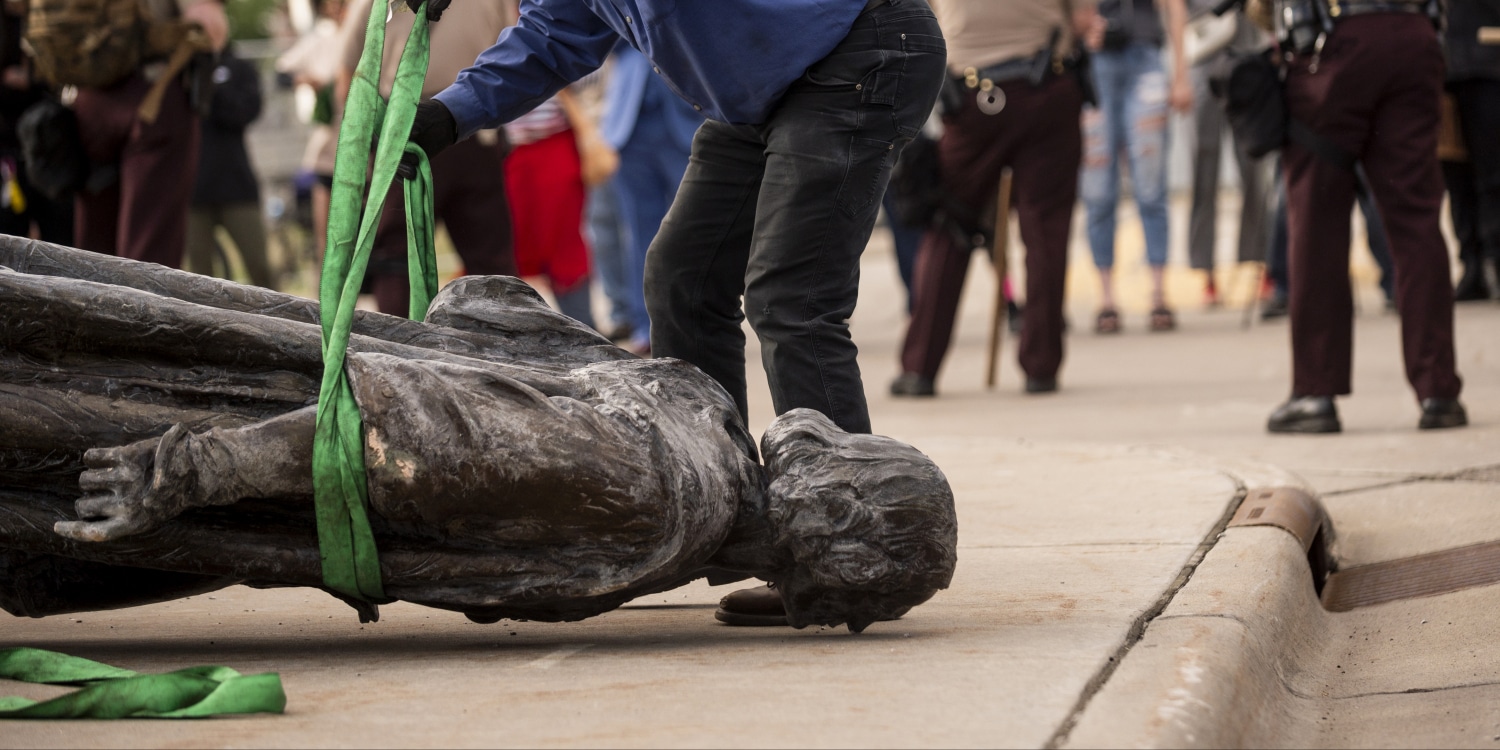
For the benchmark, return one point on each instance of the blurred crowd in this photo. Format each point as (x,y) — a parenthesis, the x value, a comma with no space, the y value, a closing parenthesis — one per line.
(1065,101)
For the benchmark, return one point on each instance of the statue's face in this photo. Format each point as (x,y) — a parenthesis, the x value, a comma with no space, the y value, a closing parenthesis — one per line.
(810,603)
(867,520)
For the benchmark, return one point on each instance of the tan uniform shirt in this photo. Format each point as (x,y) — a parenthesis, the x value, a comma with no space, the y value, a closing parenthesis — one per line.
(468,28)
(984,32)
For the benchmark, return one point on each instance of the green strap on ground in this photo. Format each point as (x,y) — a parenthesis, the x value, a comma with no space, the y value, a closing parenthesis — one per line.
(351,565)
(112,693)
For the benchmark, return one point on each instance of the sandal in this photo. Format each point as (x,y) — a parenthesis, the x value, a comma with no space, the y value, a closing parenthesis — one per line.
(1108,321)
(1162,319)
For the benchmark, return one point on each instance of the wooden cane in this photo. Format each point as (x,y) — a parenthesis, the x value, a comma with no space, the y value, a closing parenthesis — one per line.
(998,258)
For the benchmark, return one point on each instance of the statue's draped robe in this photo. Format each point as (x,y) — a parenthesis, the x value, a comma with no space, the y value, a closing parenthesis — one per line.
(518,464)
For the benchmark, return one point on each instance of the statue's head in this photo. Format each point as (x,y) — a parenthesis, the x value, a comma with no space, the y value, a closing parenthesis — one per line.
(868,522)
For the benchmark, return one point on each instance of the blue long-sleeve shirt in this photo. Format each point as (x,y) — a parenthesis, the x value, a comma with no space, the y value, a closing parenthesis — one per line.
(731,59)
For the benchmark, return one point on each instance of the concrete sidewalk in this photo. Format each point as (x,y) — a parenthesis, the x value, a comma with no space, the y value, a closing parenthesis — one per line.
(1090,521)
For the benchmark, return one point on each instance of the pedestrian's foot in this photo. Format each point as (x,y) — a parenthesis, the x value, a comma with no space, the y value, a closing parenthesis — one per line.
(1041,385)
(757,607)
(1162,319)
(1108,321)
(1014,316)
(912,384)
(1441,413)
(1305,414)
(1274,307)
(1471,288)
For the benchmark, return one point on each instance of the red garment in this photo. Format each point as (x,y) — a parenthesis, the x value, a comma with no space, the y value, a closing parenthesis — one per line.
(545,188)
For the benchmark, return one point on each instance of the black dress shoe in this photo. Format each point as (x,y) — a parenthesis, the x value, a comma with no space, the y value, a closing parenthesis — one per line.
(1041,385)
(1440,413)
(1471,286)
(1305,414)
(912,384)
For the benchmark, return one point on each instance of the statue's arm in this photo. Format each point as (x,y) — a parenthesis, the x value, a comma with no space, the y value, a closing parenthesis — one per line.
(137,487)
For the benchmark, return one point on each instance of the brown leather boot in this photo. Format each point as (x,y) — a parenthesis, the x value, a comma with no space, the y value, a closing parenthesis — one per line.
(757,607)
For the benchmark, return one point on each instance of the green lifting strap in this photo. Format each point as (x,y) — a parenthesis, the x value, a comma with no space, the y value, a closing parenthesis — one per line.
(351,565)
(112,693)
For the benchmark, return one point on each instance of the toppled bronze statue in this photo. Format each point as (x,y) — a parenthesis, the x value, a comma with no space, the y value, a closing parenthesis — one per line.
(519,465)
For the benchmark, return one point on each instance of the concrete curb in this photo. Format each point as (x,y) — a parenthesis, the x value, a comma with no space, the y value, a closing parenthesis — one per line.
(1210,670)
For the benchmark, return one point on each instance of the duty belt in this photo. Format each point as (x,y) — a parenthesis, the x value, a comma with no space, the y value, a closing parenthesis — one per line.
(1337,9)
(1034,69)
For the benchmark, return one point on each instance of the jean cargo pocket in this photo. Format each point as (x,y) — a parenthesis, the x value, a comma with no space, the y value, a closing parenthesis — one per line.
(869,162)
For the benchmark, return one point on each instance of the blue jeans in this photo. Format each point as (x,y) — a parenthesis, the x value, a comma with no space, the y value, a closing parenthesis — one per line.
(1131,119)
(608,238)
(651,168)
(778,213)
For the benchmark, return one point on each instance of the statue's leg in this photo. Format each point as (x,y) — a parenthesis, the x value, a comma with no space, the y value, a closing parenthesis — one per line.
(91,326)
(497,318)
(37,258)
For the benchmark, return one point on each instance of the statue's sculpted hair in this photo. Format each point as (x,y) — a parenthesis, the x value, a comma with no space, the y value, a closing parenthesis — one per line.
(868,522)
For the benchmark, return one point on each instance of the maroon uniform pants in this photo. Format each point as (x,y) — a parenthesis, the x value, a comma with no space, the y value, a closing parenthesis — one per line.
(1375,93)
(1037,136)
(143,215)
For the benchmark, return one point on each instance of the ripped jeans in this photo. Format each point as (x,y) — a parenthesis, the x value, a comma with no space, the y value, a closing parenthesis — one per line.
(1131,119)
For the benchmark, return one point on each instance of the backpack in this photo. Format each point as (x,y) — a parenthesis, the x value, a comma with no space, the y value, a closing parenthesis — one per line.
(916,187)
(1250,87)
(51,150)
(96,43)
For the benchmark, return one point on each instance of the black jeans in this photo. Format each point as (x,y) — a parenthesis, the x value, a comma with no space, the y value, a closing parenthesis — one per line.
(779,213)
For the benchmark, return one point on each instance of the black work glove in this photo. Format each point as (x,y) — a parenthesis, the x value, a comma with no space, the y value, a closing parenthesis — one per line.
(433,130)
(435,8)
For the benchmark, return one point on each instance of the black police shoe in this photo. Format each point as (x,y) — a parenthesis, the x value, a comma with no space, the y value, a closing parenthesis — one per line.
(912,384)
(1440,413)
(1471,286)
(1305,414)
(1041,385)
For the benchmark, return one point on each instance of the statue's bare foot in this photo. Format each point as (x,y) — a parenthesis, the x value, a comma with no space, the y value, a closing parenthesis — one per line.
(131,489)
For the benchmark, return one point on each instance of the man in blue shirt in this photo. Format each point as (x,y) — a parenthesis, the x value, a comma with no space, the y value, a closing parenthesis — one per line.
(808,104)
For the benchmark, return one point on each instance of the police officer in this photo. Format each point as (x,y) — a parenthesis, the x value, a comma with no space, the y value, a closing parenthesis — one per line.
(1365,76)
(1016,104)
